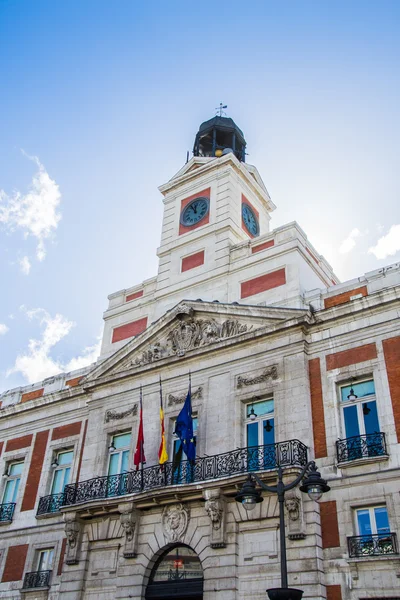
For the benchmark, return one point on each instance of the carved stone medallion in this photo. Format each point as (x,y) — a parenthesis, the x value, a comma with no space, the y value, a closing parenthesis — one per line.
(175,519)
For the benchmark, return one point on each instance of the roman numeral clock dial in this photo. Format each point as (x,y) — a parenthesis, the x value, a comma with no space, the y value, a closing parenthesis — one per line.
(195,211)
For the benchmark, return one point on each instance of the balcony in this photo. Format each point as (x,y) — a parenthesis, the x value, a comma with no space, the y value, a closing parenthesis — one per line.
(361,446)
(291,453)
(37,579)
(372,545)
(50,504)
(7,512)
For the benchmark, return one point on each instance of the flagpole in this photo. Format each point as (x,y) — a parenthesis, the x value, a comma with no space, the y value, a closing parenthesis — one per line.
(141,445)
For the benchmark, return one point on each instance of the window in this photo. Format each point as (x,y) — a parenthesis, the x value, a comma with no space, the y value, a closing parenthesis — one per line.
(182,470)
(260,435)
(119,454)
(373,533)
(360,422)
(118,464)
(45,559)
(14,473)
(62,471)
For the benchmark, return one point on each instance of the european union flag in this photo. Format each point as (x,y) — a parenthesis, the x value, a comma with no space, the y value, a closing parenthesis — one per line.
(184,428)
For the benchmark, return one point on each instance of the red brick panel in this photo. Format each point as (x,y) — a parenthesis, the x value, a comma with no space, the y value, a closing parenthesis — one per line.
(192,261)
(391,351)
(317,408)
(345,297)
(255,211)
(73,382)
(263,246)
(204,220)
(329,524)
(350,357)
(20,442)
(134,296)
(66,430)
(32,395)
(262,283)
(129,330)
(15,563)
(61,559)
(81,454)
(35,470)
(333,592)
(1,447)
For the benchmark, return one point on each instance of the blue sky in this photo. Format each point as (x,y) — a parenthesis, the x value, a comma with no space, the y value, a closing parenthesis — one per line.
(100,102)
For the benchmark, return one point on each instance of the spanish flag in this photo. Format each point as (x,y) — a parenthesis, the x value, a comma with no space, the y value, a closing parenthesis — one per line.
(162,452)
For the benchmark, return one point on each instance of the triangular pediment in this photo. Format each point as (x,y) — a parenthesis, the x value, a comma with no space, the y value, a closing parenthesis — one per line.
(190,327)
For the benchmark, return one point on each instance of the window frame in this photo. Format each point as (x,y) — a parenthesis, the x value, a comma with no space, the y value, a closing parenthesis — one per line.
(56,454)
(10,478)
(121,451)
(358,402)
(259,419)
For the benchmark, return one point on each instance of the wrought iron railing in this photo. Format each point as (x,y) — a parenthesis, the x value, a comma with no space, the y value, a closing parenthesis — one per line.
(37,579)
(372,545)
(50,504)
(242,460)
(7,511)
(361,446)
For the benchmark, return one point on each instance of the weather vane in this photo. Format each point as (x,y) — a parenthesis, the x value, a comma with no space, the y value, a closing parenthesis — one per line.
(220,109)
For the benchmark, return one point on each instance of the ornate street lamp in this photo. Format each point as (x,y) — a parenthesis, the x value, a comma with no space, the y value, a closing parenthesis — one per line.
(249,496)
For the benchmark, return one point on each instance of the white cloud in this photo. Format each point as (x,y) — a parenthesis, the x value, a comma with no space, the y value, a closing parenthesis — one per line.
(36,363)
(25,265)
(3,328)
(35,213)
(388,244)
(348,244)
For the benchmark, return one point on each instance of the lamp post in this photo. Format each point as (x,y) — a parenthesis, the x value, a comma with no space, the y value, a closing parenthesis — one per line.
(249,496)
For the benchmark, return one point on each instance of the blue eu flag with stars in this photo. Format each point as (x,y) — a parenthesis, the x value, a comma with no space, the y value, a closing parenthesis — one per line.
(184,428)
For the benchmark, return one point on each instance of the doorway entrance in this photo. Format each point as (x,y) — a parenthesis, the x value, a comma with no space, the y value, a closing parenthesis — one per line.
(177,575)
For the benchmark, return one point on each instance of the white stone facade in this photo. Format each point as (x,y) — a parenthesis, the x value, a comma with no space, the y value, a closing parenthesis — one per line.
(295,343)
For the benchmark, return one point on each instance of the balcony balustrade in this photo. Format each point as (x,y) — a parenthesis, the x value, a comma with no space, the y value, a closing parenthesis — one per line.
(372,545)
(7,512)
(36,579)
(291,453)
(50,504)
(361,446)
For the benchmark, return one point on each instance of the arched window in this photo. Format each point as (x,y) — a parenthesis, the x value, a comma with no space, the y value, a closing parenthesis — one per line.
(177,574)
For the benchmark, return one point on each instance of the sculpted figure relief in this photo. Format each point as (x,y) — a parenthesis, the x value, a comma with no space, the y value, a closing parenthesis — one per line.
(175,520)
(214,511)
(292,504)
(190,333)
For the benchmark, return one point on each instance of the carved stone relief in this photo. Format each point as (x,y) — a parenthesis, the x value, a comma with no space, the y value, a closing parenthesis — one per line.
(294,507)
(73,532)
(175,519)
(188,334)
(215,506)
(270,373)
(180,399)
(112,415)
(129,517)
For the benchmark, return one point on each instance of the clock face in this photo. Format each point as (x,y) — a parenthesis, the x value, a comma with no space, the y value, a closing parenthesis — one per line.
(250,220)
(195,211)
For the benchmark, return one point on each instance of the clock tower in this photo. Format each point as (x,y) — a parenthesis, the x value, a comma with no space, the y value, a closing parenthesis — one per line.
(216,243)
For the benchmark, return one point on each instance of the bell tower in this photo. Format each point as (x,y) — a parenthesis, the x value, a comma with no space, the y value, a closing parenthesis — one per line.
(214,202)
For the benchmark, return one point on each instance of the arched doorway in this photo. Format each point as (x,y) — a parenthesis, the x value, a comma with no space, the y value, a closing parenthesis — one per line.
(177,575)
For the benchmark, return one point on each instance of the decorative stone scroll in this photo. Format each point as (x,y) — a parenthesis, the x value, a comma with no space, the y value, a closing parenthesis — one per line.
(188,334)
(129,517)
(216,509)
(270,373)
(73,532)
(175,519)
(294,507)
(196,395)
(112,415)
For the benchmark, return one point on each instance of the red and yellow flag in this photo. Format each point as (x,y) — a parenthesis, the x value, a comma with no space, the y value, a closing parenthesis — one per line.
(162,452)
